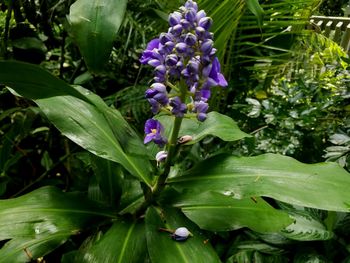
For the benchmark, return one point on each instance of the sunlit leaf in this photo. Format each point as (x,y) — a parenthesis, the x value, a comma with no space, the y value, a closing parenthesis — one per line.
(217,212)
(322,185)
(42,220)
(94,24)
(216,124)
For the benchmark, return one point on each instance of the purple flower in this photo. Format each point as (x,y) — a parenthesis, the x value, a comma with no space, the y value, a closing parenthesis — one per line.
(216,75)
(179,108)
(147,53)
(154,132)
(201,107)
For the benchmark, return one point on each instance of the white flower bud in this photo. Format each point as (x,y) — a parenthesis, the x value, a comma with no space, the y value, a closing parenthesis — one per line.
(184,139)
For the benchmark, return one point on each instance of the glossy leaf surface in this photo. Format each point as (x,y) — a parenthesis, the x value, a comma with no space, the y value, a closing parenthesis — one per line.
(123,242)
(216,124)
(81,116)
(217,212)
(163,249)
(40,221)
(322,185)
(94,24)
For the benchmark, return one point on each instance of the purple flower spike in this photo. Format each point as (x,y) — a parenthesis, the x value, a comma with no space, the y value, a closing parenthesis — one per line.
(147,54)
(184,55)
(154,131)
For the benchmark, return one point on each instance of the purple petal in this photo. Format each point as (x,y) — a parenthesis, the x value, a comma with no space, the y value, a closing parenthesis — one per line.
(149,137)
(216,75)
(147,54)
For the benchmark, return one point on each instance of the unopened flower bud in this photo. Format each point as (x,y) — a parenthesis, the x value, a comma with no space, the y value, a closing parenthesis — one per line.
(154,62)
(190,39)
(177,30)
(160,69)
(200,31)
(205,22)
(171,60)
(169,46)
(160,87)
(174,18)
(181,234)
(161,156)
(184,139)
(181,47)
(207,46)
(191,4)
(190,15)
(200,15)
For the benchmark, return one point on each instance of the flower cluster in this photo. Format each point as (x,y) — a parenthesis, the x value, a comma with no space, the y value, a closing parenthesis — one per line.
(185,64)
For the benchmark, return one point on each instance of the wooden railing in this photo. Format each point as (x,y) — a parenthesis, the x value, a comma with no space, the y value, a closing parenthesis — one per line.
(335,28)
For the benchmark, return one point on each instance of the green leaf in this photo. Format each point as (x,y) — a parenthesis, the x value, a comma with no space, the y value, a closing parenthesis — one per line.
(306,228)
(123,242)
(322,185)
(109,178)
(217,212)
(33,82)
(163,249)
(94,24)
(81,116)
(255,8)
(42,220)
(216,124)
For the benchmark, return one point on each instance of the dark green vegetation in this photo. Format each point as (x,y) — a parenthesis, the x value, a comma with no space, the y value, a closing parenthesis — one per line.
(74,173)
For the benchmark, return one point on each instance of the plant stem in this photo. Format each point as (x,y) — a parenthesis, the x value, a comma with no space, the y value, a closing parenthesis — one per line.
(171,154)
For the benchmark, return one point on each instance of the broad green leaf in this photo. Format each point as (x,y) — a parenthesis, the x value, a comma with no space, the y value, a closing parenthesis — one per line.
(40,221)
(163,249)
(322,185)
(81,116)
(217,212)
(94,25)
(306,228)
(123,242)
(216,124)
